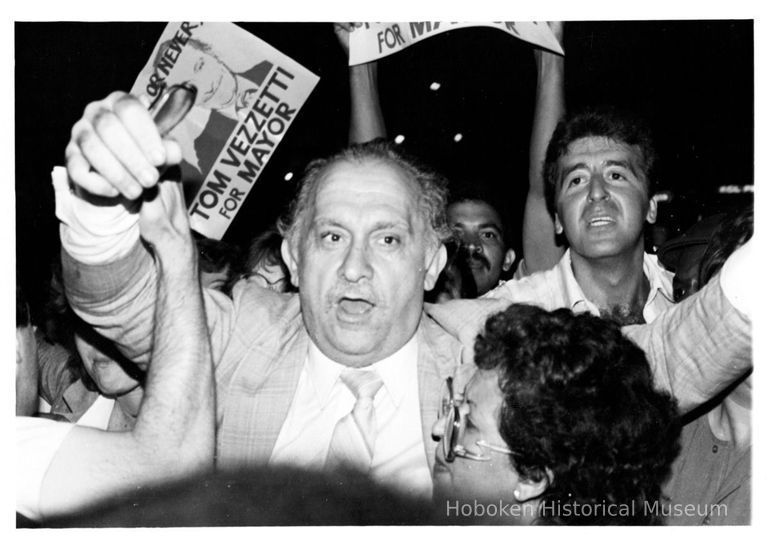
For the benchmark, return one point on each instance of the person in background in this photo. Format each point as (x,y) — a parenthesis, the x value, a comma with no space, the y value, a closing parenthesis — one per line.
(218,264)
(682,255)
(483,234)
(264,263)
(83,378)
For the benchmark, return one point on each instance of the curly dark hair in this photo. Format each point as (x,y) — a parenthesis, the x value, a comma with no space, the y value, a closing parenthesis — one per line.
(580,404)
(432,187)
(603,121)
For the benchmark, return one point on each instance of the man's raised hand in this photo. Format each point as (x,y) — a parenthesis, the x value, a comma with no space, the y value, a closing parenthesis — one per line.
(342,31)
(115,148)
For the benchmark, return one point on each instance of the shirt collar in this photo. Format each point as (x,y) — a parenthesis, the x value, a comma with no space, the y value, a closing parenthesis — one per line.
(573,293)
(652,269)
(397,371)
(658,277)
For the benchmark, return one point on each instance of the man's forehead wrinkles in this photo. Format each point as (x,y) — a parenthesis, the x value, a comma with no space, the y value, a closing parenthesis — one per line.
(368,224)
(573,166)
(606,158)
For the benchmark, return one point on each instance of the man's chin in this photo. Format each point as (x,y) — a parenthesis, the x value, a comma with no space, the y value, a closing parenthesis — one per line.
(484,284)
(353,348)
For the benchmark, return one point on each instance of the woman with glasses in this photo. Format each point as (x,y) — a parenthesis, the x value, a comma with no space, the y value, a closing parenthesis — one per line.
(561,424)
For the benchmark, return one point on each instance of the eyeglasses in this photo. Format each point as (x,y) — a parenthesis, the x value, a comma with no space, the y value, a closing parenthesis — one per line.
(455,423)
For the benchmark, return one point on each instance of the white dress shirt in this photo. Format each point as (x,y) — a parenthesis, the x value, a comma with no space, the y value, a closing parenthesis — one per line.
(558,287)
(322,399)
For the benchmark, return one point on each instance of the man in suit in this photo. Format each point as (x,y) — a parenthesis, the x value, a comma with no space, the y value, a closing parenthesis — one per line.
(349,371)
(363,243)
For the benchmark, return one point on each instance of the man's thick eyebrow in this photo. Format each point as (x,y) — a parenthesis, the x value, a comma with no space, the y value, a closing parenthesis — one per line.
(326,221)
(484,225)
(610,163)
(572,168)
(491,225)
(623,164)
(401,225)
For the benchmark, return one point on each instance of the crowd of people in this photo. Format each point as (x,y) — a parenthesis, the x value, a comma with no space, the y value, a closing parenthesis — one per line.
(381,355)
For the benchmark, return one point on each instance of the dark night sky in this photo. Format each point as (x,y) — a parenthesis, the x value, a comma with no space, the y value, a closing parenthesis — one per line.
(693,80)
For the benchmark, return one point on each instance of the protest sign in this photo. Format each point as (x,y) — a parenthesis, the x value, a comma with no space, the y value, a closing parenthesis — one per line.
(376,40)
(248,94)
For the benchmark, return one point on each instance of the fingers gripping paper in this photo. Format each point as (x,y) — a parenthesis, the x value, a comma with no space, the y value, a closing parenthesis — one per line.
(376,40)
(248,94)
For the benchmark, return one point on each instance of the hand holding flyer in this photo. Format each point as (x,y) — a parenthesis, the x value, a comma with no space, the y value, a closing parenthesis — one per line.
(248,94)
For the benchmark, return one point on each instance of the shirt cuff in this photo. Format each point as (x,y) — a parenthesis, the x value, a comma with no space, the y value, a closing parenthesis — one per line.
(738,279)
(92,234)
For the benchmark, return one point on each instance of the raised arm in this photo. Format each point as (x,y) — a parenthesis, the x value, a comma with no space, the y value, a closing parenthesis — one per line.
(704,343)
(174,432)
(540,250)
(366,121)
(115,154)
(695,349)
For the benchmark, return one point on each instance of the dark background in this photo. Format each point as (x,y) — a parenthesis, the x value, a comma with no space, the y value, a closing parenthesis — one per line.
(692,80)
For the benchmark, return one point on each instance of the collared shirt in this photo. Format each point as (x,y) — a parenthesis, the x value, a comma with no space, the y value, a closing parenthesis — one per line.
(558,287)
(322,399)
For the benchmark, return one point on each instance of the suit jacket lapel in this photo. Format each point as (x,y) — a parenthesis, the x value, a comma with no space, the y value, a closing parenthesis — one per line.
(257,402)
(439,358)
(276,395)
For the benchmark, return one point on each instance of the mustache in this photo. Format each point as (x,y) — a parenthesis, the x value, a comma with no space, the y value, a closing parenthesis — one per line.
(467,254)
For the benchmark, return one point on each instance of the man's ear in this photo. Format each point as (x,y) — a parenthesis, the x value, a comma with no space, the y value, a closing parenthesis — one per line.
(527,489)
(558,225)
(435,267)
(289,254)
(650,217)
(509,259)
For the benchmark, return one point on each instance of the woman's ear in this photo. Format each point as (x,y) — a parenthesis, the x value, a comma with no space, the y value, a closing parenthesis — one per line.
(528,489)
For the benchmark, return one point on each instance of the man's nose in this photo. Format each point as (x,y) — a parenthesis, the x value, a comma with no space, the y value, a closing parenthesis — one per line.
(471,242)
(438,429)
(598,190)
(357,264)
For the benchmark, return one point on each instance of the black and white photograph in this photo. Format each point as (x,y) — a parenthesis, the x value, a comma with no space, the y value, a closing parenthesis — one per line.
(412,273)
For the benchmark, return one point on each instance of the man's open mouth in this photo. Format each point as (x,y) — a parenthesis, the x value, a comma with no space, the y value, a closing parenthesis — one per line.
(600,221)
(354,306)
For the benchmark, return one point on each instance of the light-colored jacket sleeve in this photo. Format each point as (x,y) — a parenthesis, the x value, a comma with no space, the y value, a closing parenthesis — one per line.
(697,348)
(118,300)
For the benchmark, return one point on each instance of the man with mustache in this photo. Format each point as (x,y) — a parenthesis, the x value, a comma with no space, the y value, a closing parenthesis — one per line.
(480,228)
(598,171)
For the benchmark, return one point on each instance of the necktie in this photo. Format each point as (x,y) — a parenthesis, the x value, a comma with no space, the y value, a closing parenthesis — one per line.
(353,438)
